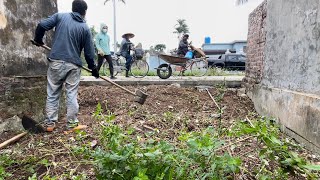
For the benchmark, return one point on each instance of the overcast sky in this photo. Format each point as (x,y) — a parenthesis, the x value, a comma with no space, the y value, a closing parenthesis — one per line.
(153,21)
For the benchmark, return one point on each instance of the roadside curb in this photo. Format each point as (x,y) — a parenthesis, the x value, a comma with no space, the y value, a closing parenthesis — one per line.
(229,81)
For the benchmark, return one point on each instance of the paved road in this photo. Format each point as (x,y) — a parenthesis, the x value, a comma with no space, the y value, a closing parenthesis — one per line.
(230,81)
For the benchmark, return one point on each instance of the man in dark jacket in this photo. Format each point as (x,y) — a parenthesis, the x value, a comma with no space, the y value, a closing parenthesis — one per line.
(125,48)
(183,45)
(71,36)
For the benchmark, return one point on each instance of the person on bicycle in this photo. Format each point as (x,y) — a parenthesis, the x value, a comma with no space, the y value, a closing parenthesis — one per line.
(102,42)
(183,46)
(125,48)
(71,36)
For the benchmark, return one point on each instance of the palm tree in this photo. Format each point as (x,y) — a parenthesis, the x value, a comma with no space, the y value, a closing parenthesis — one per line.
(119,0)
(114,23)
(181,27)
(160,47)
(239,2)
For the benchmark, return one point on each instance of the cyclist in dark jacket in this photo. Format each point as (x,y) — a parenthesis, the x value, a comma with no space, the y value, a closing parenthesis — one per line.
(125,48)
(71,36)
(183,45)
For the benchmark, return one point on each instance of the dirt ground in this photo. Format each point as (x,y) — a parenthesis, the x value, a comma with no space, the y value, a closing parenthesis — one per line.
(192,108)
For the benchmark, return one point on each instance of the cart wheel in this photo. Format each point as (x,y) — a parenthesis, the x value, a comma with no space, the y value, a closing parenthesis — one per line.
(164,71)
(106,70)
(199,67)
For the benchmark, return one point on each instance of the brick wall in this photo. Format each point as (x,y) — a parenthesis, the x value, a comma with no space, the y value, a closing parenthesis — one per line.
(256,46)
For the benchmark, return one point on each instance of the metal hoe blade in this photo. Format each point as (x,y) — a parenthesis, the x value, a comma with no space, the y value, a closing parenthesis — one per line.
(31,125)
(140,96)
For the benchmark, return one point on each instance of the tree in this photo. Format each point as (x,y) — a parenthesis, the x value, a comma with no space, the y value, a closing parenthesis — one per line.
(119,0)
(181,27)
(160,47)
(114,22)
(93,31)
(240,2)
(152,50)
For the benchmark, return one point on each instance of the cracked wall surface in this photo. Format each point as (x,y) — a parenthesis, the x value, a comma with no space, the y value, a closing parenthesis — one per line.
(287,85)
(292,58)
(23,66)
(3,19)
(18,19)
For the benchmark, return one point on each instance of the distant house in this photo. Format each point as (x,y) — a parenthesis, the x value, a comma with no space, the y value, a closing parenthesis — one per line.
(216,49)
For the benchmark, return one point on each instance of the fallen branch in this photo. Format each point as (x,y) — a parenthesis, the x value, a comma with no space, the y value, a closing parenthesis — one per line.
(213,99)
(12,140)
(243,154)
(249,122)
(148,127)
(138,129)
(243,139)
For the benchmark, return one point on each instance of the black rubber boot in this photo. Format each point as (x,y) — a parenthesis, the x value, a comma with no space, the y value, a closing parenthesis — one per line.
(111,74)
(127,73)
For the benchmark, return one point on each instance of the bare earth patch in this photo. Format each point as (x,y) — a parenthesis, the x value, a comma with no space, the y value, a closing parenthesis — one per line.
(167,111)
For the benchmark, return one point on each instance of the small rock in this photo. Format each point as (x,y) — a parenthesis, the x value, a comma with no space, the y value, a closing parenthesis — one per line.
(215,115)
(176,85)
(243,95)
(191,127)
(232,89)
(202,88)
(142,122)
(241,92)
(93,143)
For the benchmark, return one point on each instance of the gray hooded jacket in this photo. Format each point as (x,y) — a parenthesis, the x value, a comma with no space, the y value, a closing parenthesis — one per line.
(71,36)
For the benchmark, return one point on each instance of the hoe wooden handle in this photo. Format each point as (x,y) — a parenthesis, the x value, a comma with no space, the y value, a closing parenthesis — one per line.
(12,140)
(111,82)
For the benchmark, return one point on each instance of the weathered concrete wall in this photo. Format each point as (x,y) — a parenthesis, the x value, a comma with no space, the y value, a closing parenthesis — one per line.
(289,89)
(22,66)
(292,58)
(18,19)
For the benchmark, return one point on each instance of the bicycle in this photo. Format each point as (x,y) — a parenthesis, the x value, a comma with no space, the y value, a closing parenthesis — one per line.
(139,68)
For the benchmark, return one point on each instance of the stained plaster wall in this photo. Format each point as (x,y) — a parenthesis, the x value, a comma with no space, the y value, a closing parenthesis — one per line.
(288,87)
(22,66)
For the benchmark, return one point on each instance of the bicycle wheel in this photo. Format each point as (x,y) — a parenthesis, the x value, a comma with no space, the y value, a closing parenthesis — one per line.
(116,67)
(164,71)
(199,67)
(139,68)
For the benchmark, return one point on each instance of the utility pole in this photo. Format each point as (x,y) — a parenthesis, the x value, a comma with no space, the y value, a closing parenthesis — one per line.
(114,27)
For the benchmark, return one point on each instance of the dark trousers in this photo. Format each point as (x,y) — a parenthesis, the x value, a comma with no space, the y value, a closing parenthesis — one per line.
(128,61)
(109,60)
